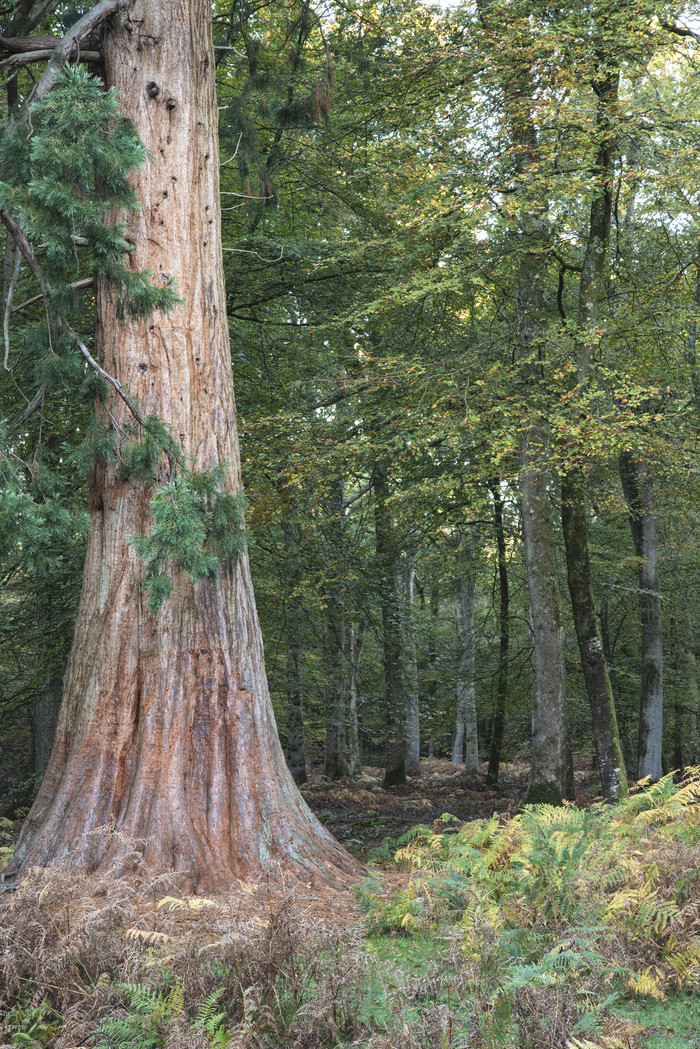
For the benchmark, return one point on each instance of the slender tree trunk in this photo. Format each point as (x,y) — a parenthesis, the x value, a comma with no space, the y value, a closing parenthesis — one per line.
(405,578)
(678,696)
(574,511)
(532,240)
(334,638)
(356,640)
(166,741)
(465,748)
(694,701)
(548,770)
(636,484)
(336,689)
(395,772)
(47,705)
(296,742)
(611,766)
(296,745)
(504,611)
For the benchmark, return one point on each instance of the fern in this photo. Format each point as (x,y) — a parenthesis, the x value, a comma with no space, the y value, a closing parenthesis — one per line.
(144,1026)
(553,890)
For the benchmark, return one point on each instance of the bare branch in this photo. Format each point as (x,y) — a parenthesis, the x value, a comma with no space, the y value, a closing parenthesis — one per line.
(27,57)
(36,402)
(29,43)
(340,395)
(27,250)
(38,17)
(680,30)
(77,285)
(65,48)
(8,308)
(105,375)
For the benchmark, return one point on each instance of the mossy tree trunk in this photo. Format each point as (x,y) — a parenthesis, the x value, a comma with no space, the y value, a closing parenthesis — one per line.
(591,294)
(395,705)
(405,580)
(465,748)
(637,486)
(356,640)
(531,242)
(548,769)
(166,736)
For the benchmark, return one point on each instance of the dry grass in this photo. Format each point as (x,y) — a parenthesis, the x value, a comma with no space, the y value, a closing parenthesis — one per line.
(291,967)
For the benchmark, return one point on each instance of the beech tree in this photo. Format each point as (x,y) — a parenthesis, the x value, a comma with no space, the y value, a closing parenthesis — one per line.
(166,734)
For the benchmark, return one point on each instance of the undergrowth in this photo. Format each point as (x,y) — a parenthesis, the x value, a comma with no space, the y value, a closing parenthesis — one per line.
(561,914)
(557,928)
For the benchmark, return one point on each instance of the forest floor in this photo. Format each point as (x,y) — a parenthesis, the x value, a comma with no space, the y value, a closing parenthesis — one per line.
(368,819)
(571,928)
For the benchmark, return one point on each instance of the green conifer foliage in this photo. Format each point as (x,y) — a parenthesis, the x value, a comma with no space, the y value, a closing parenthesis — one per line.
(62,175)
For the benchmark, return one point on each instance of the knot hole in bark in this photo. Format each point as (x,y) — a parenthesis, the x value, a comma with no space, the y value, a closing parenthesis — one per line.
(152,89)
(170,104)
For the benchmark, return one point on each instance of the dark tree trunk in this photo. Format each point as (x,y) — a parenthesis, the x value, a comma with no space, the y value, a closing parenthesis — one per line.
(395,772)
(680,680)
(334,639)
(356,640)
(296,741)
(336,690)
(636,484)
(166,737)
(611,766)
(499,719)
(574,511)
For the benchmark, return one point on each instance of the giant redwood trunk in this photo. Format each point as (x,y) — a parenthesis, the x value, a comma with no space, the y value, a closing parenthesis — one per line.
(166,733)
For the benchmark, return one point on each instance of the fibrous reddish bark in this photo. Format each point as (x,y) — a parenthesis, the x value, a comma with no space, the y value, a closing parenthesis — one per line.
(166,732)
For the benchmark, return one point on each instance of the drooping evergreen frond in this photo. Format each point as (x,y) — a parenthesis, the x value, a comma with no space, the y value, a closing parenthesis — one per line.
(196,524)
